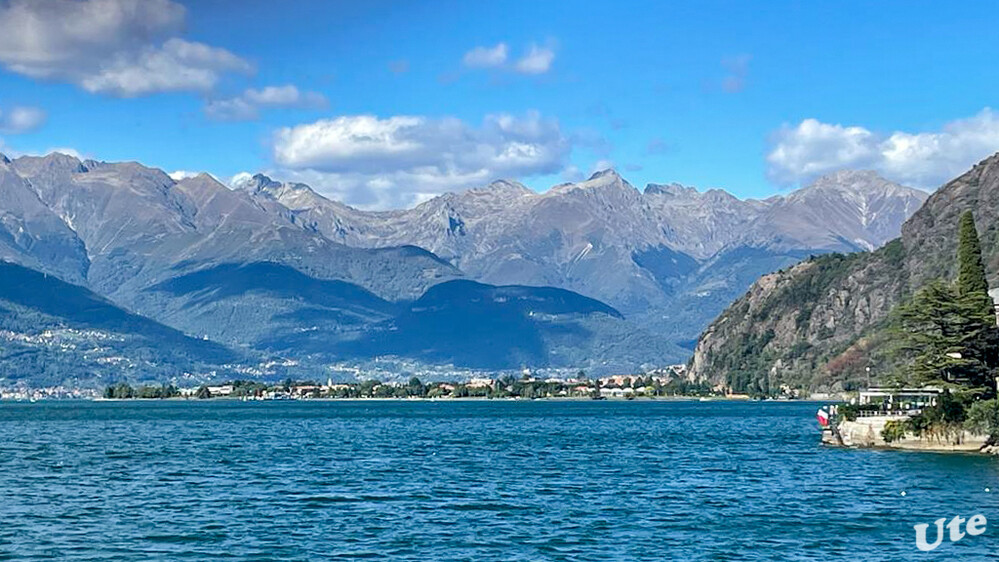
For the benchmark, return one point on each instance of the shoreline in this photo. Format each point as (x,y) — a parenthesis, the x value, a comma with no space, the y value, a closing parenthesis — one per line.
(422,399)
(865,433)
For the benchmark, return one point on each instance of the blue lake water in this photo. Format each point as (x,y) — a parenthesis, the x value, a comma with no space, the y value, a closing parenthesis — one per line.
(484,480)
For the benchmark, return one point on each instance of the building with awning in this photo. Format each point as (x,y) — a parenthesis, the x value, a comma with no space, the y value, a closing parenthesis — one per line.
(899,399)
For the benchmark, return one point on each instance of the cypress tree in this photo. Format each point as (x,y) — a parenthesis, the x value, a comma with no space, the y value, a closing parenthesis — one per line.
(971,269)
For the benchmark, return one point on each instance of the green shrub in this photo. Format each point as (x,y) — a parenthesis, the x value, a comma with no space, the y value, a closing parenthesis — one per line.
(894,431)
(983,419)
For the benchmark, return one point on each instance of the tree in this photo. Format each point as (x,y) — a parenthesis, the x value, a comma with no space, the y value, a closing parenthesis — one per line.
(203,392)
(949,332)
(950,339)
(971,269)
(416,387)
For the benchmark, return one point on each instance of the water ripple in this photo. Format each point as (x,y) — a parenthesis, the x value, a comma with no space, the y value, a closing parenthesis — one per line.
(477,481)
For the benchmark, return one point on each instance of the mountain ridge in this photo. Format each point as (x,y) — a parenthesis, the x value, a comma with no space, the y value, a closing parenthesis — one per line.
(668,258)
(593,237)
(817,324)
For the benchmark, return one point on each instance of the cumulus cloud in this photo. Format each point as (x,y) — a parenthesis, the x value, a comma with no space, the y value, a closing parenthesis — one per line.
(389,162)
(20,119)
(122,48)
(486,57)
(247,106)
(538,60)
(800,153)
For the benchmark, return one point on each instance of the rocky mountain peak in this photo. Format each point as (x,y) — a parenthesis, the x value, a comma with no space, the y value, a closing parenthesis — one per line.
(202,182)
(672,189)
(607,178)
(257,183)
(55,163)
(295,195)
(604,180)
(504,187)
(610,173)
(858,183)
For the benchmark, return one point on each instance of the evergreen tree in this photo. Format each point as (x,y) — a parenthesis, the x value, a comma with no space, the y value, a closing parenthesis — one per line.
(949,332)
(971,270)
(931,333)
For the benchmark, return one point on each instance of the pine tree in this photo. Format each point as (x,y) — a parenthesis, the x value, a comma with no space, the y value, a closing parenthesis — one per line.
(971,269)
(949,331)
(931,325)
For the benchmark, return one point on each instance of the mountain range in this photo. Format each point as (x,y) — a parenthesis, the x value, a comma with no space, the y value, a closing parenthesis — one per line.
(595,274)
(820,324)
(669,257)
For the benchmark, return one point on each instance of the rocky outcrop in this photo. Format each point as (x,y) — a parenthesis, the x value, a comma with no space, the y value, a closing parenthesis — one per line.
(866,433)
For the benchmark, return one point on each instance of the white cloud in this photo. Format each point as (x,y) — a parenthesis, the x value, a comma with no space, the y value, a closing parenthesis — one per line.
(379,163)
(926,159)
(240,179)
(117,47)
(284,96)
(813,148)
(20,119)
(486,57)
(538,60)
(178,175)
(247,106)
(177,65)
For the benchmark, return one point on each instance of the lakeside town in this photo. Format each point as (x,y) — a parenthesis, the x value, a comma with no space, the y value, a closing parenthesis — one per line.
(670,382)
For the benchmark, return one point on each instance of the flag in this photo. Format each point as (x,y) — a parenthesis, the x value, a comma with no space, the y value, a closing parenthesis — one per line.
(823,417)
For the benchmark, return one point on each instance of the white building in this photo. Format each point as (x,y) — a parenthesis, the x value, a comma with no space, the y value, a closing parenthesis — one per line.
(900,400)
(224,390)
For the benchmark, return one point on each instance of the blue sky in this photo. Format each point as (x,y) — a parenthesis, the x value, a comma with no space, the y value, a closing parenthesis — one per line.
(384,104)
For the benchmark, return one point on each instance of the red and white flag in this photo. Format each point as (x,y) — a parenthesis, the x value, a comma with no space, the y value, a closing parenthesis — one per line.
(823,417)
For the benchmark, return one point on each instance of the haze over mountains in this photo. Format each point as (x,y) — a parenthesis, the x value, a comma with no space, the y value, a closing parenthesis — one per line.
(276,269)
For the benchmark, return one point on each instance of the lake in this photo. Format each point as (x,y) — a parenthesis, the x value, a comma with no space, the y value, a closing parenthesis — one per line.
(466,480)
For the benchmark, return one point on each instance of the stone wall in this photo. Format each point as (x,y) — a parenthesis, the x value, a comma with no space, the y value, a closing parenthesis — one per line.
(866,432)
